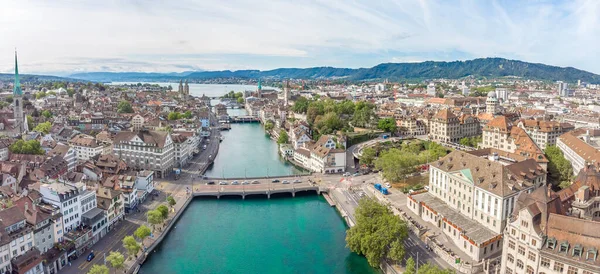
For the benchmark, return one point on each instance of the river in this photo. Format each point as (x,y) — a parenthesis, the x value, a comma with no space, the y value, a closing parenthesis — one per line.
(256,235)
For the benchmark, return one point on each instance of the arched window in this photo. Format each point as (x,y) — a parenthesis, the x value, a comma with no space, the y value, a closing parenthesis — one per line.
(530,270)
(510,258)
(520,264)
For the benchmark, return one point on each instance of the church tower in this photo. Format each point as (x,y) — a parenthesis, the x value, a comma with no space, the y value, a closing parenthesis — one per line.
(180,88)
(20,121)
(286,93)
(186,89)
(259,89)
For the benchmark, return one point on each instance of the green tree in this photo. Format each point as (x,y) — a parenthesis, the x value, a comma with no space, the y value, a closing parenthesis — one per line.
(70,92)
(283,137)
(269,125)
(364,114)
(188,115)
(124,107)
(98,269)
(132,246)
(116,260)
(410,266)
(155,217)
(300,105)
(46,113)
(387,125)
(9,99)
(174,116)
(171,201)
(43,127)
(164,211)
(240,100)
(26,147)
(368,156)
(142,232)
(559,169)
(40,95)
(29,121)
(376,228)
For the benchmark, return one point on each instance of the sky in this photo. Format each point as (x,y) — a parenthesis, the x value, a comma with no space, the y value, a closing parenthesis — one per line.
(61,37)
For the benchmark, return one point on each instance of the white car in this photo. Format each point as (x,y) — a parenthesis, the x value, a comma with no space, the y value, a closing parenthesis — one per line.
(244,182)
(285,182)
(235,183)
(388,185)
(223,183)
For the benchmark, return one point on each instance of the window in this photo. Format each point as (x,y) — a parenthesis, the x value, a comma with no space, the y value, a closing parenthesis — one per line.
(572,270)
(545,262)
(533,242)
(530,270)
(520,264)
(510,258)
(522,250)
(513,232)
(524,224)
(523,237)
(559,267)
(508,271)
(587,272)
(531,256)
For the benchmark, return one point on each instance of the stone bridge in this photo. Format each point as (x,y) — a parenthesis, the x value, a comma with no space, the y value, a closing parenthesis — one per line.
(265,189)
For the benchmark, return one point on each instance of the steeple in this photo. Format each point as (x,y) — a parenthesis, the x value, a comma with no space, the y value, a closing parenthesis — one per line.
(259,85)
(17,88)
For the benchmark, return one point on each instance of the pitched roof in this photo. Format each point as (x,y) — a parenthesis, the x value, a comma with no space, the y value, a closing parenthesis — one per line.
(500,122)
(157,138)
(444,114)
(584,150)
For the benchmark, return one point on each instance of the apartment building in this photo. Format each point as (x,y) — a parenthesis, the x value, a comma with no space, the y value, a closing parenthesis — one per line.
(411,126)
(555,232)
(544,133)
(86,147)
(64,196)
(111,201)
(470,198)
(40,221)
(577,149)
(183,149)
(445,126)
(146,150)
(16,237)
(69,154)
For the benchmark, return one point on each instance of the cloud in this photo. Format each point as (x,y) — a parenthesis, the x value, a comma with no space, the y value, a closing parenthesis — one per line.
(152,35)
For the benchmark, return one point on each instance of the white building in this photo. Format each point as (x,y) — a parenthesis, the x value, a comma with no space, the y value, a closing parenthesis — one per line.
(577,151)
(431,89)
(66,197)
(86,146)
(17,237)
(502,94)
(470,199)
(148,150)
(183,149)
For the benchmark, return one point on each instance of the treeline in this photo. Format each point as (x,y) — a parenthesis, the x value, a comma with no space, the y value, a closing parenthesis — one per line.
(560,170)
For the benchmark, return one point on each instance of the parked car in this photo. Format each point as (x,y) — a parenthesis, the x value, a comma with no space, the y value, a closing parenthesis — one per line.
(90,257)
(285,182)
(244,182)
(356,174)
(235,183)
(347,174)
(275,181)
(223,183)
(255,182)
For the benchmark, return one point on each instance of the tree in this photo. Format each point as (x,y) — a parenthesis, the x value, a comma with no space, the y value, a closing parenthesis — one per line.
(40,95)
(364,114)
(559,169)
(116,259)
(29,121)
(378,233)
(164,211)
(269,125)
(300,105)
(410,266)
(142,232)
(27,147)
(46,113)
(387,125)
(9,99)
(70,92)
(131,245)
(368,156)
(155,217)
(43,127)
(124,107)
(98,269)
(188,115)
(171,201)
(240,100)
(283,137)
(174,116)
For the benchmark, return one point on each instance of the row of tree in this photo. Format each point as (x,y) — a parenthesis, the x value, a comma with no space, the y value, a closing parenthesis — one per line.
(117,259)
(174,115)
(470,141)
(26,147)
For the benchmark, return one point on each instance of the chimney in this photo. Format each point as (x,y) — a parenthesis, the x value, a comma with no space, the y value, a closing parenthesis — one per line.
(26,206)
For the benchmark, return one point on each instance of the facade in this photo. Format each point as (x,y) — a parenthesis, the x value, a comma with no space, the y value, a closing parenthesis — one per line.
(146,150)
(447,127)
(183,149)
(137,122)
(64,196)
(111,201)
(553,232)
(16,237)
(40,221)
(86,147)
(144,182)
(577,151)
(470,199)
(68,153)
(544,133)
(491,103)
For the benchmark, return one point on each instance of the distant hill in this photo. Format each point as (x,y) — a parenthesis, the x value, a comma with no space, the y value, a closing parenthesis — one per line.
(35,78)
(483,67)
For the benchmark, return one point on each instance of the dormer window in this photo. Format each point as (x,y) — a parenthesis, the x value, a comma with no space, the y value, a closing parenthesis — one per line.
(551,243)
(577,250)
(591,254)
(564,247)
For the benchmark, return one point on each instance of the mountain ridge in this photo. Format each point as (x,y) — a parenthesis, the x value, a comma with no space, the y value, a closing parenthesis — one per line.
(481,67)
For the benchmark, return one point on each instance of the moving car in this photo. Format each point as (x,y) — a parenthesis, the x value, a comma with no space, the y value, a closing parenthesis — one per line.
(235,183)
(244,182)
(255,182)
(223,183)
(285,182)
(210,183)
(275,181)
(90,257)
(297,181)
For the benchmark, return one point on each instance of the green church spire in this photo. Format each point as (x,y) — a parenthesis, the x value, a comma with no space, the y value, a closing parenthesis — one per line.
(17,88)
(259,85)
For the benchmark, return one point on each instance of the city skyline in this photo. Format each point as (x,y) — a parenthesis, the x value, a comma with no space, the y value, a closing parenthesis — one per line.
(63,37)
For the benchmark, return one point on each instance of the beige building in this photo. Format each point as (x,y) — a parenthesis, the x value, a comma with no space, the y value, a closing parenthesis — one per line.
(555,233)
(544,133)
(445,126)
(577,150)
(146,150)
(137,122)
(470,199)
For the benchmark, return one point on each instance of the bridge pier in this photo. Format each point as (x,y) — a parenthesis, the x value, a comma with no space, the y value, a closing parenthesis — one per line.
(293,193)
(243,196)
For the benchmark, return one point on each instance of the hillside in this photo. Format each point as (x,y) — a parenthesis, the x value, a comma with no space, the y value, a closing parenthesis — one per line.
(35,78)
(484,67)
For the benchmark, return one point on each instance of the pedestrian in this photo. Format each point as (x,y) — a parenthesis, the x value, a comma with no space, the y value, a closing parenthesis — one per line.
(69,263)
